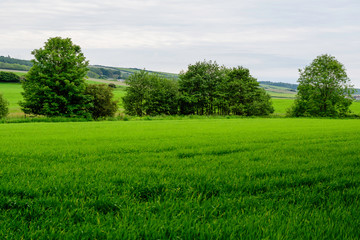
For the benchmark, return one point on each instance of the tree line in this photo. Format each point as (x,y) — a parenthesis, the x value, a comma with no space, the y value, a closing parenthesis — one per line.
(204,89)
(55,86)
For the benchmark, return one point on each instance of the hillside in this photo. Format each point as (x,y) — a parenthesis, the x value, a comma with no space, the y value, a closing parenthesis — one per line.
(95,71)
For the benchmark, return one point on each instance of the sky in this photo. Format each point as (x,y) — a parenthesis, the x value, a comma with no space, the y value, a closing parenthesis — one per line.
(272,38)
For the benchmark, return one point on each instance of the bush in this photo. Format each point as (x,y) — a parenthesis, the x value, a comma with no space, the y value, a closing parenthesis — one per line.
(9,77)
(102,103)
(112,85)
(4,110)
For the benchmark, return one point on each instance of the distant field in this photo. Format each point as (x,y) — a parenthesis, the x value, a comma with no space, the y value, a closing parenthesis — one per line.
(12,93)
(189,179)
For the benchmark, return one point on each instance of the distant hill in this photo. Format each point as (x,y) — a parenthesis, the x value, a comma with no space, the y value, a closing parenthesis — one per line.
(280,84)
(95,71)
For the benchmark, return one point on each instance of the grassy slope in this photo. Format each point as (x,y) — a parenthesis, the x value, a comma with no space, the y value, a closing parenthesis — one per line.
(194,179)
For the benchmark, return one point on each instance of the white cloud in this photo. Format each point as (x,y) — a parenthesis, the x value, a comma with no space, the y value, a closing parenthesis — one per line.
(272,38)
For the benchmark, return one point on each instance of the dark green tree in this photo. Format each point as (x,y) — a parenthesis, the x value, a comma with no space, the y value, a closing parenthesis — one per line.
(4,109)
(324,89)
(102,103)
(162,96)
(198,87)
(55,84)
(244,95)
(150,94)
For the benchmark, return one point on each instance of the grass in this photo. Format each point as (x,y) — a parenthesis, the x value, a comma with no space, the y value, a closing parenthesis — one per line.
(282,104)
(12,93)
(193,179)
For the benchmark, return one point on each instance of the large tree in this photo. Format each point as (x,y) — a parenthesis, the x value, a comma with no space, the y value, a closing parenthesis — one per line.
(55,84)
(324,89)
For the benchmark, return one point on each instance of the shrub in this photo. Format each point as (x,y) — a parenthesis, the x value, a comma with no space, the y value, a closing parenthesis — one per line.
(112,85)
(4,109)
(9,77)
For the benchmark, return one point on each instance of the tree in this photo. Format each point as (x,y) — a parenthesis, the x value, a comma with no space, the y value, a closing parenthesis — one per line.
(198,87)
(102,103)
(324,89)
(55,84)
(150,94)
(244,95)
(4,110)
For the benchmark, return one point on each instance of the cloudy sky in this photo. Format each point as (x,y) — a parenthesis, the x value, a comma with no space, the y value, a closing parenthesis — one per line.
(273,38)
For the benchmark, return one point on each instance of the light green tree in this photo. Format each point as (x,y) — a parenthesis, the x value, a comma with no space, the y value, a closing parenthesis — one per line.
(324,89)
(55,84)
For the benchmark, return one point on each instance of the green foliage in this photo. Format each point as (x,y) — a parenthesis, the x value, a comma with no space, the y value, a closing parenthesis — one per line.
(4,109)
(191,179)
(324,89)
(206,88)
(9,77)
(150,94)
(102,103)
(55,84)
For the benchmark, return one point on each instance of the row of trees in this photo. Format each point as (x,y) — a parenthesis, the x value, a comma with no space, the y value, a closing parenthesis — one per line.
(55,86)
(204,89)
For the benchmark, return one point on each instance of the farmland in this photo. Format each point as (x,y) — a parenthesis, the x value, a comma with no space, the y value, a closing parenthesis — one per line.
(248,178)
(229,178)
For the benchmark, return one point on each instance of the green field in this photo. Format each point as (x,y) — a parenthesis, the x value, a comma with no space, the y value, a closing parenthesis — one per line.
(187,179)
(12,93)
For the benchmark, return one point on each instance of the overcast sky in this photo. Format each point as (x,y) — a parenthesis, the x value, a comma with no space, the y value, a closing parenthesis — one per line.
(273,38)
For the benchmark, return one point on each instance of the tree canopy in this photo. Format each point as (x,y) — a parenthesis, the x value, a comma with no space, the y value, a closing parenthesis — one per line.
(101,103)
(55,84)
(324,89)
(150,94)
